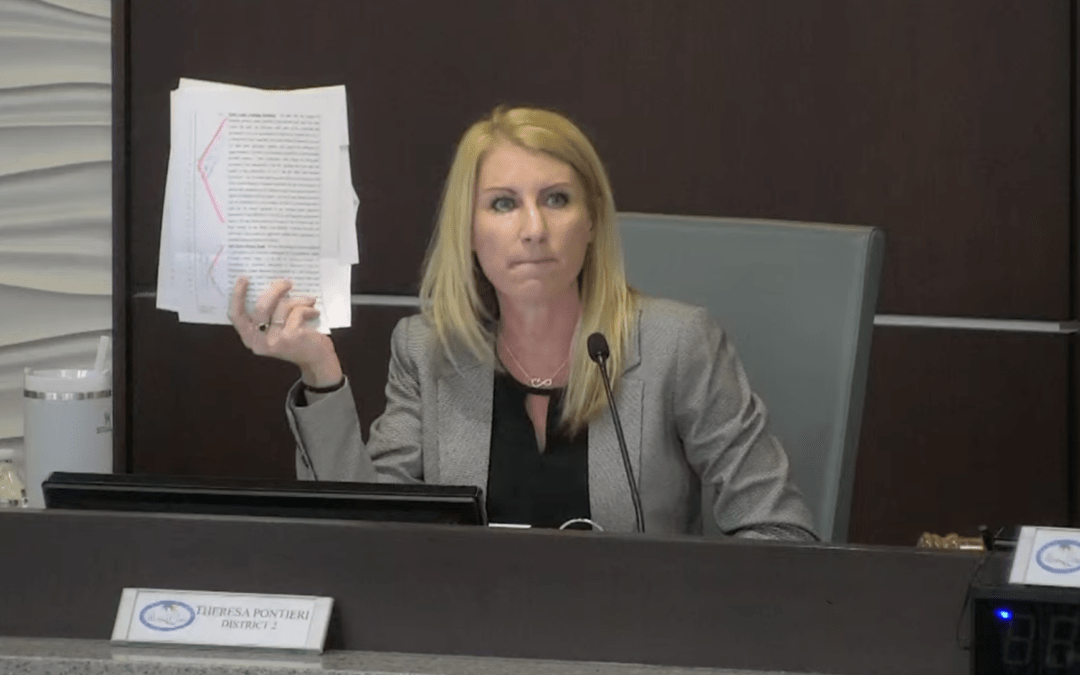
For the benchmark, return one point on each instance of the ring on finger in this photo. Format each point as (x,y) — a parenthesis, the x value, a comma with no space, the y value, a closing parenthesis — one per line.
(263,327)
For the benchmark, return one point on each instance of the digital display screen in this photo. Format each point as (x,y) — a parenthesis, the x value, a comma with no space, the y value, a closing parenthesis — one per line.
(1017,637)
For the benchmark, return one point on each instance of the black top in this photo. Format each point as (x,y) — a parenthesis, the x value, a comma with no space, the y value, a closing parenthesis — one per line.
(526,486)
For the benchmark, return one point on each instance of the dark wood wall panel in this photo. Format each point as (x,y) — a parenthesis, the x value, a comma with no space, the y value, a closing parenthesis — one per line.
(947,124)
(201,404)
(962,428)
(950,125)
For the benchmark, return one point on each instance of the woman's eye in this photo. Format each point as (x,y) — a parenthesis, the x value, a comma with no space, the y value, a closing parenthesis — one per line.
(502,204)
(557,199)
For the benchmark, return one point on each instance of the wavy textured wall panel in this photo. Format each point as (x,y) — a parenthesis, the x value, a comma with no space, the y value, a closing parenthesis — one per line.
(55,203)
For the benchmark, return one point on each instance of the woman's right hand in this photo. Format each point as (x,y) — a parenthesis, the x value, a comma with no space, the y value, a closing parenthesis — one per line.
(280,327)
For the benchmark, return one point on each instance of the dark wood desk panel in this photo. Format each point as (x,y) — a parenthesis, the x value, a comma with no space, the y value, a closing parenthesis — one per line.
(1073,411)
(569,596)
(962,428)
(946,124)
(201,404)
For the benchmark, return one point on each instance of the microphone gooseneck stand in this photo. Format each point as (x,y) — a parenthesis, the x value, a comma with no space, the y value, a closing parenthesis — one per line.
(599,352)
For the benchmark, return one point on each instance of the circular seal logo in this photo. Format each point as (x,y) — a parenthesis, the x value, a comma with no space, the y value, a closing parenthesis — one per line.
(1061,556)
(167,615)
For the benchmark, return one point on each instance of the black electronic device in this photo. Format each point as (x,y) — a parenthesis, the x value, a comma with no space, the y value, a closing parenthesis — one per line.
(441,504)
(1023,630)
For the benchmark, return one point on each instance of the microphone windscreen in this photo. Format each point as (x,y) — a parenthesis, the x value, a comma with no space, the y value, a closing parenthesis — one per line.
(598,348)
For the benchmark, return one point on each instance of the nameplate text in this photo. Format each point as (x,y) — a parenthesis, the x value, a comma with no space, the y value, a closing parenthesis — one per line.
(159,616)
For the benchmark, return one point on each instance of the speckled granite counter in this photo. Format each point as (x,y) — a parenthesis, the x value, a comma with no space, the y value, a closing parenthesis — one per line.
(23,656)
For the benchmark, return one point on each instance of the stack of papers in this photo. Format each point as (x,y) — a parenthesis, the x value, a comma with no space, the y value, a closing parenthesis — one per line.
(259,185)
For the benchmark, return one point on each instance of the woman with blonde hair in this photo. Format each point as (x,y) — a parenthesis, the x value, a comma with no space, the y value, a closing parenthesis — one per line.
(492,384)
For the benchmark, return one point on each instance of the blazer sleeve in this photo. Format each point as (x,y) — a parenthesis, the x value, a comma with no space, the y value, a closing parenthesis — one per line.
(329,445)
(722,424)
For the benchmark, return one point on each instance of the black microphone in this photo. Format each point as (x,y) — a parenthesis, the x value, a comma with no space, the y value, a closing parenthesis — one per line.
(599,352)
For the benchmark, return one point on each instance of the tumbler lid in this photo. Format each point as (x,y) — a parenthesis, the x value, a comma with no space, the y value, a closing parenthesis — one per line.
(68,380)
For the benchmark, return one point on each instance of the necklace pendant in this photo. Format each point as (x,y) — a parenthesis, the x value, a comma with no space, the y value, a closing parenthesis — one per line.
(538,383)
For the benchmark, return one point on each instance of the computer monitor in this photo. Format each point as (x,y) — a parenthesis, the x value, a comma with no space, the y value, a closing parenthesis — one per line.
(441,504)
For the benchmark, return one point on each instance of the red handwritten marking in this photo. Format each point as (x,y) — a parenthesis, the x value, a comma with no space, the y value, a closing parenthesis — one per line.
(202,172)
(210,271)
(213,200)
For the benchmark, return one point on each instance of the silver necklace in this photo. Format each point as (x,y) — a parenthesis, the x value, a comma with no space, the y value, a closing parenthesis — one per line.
(536,382)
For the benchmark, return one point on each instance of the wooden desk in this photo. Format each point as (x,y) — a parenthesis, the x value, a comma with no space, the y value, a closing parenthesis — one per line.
(518,594)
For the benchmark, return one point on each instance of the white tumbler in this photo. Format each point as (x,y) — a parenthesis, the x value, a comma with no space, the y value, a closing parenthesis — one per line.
(67,416)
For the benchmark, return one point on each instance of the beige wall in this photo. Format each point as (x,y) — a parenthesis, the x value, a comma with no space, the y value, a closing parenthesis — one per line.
(55,204)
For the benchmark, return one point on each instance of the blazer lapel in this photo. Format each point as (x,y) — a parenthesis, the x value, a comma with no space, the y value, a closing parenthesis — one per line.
(609,494)
(464,433)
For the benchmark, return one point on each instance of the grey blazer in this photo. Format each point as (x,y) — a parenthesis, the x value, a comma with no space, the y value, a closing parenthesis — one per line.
(687,411)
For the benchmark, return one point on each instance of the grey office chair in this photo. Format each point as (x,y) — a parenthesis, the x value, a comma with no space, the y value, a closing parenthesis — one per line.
(798,300)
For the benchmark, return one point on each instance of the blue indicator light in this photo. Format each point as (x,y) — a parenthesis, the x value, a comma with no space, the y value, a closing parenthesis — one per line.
(1004,614)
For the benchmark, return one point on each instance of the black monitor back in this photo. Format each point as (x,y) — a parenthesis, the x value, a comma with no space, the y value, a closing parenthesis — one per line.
(442,504)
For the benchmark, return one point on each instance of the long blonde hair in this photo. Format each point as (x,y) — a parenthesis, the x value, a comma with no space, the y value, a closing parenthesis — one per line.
(458,299)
